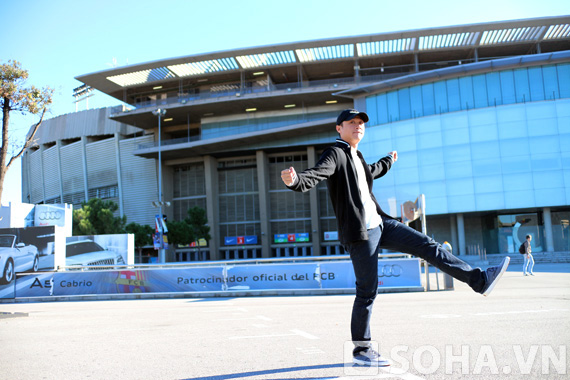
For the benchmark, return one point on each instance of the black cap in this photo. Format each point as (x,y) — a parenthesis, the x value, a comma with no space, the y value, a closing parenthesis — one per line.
(350,114)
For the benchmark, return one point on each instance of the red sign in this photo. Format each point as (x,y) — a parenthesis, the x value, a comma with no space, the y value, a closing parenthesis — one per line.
(241,239)
(290,237)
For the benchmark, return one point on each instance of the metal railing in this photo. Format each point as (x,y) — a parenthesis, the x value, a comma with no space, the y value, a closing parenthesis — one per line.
(288,259)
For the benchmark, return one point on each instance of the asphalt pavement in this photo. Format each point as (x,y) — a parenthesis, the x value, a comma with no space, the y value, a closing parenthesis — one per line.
(521,331)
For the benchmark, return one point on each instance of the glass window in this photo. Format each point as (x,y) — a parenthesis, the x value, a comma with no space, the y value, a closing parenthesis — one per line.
(460,186)
(486,167)
(544,145)
(551,179)
(490,201)
(460,169)
(382,103)
(514,228)
(457,153)
(372,110)
(440,91)
(429,140)
(416,101)
(550,161)
(514,182)
(456,136)
(521,85)
(430,157)
(461,203)
(536,83)
(550,82)
(432,173)
(484,133)
(561,230)
(428,99)
(406,176)
(488,184)
(407,145)
(494,89)
(393,108)
(507,87)
(519,164)
(404,103)
(563,71)
(514,147)
(466,93)
(453,98)
(480,91)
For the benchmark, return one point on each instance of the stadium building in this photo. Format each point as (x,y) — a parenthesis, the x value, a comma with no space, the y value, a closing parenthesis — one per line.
(479,114)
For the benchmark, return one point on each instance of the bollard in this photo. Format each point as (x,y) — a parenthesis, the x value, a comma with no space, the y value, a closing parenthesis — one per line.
(447,279)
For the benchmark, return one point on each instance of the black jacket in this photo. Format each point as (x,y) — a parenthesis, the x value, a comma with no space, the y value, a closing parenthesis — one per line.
(337,167)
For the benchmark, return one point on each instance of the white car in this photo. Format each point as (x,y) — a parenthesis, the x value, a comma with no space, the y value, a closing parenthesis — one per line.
(16,257)
(87,252)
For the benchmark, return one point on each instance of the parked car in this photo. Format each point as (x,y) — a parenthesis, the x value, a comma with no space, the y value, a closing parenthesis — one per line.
(16,257)
(88,253)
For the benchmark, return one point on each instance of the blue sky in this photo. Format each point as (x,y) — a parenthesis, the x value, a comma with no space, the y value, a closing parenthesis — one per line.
(60,39)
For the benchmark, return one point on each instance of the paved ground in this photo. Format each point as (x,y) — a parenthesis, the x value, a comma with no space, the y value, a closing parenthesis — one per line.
(520,332)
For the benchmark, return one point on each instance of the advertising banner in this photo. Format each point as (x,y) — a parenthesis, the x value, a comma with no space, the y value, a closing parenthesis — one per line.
(35,285)
(272,276)
(392,274)
(113,249)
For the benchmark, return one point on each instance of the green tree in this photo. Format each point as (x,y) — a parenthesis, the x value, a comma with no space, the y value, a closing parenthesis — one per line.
(14,96)
(143,234)
(179,233)
(198,221)
(96,218)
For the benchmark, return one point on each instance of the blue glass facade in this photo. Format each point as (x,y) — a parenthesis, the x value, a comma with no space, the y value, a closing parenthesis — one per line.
(492,142)
(528,84)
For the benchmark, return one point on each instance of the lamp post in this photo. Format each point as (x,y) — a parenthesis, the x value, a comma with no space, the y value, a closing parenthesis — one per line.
(160,112)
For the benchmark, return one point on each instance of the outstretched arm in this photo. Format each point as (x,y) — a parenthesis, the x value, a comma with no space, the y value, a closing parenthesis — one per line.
(383,165)
(309,178)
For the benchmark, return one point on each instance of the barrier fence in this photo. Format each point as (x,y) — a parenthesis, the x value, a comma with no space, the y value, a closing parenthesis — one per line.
(396,272)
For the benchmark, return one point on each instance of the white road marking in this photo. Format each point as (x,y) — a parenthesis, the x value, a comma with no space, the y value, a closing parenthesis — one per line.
(294,333)
(389,373)
(263,318)
(304,334)
(310,350)
(225,309)
(491,313)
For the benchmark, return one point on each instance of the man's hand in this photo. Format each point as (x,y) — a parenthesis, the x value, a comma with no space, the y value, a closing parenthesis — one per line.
(289,176)
(394,155)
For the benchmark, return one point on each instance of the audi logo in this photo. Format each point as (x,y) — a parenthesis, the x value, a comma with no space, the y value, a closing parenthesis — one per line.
(50,215)
(393,270)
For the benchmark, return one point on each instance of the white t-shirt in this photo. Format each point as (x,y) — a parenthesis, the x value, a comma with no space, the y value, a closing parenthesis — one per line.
(371,216)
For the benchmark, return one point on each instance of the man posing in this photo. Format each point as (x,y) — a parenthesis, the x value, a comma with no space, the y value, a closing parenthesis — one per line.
(364,229)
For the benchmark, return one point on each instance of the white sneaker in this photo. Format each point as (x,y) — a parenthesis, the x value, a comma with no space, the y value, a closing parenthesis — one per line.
(370,358)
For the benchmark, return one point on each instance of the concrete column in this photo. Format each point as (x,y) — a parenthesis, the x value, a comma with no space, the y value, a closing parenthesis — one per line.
(119,173)
(42,149)
(60,171)
(264,204)
(453,237)
(84,158)
(212,205)
(314,201)
(548,229)
(461,235)
(416,64)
